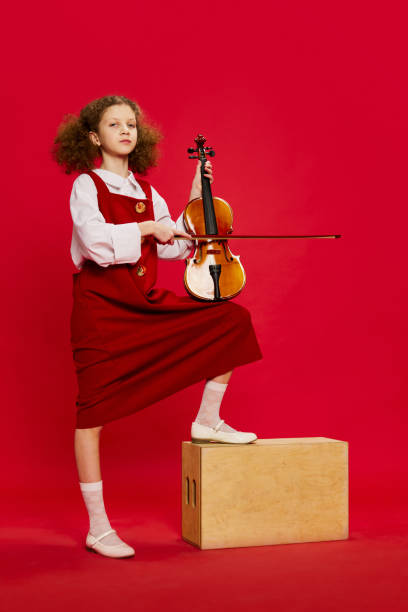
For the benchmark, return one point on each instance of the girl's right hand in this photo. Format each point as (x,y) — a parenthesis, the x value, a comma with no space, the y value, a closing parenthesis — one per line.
(162,233)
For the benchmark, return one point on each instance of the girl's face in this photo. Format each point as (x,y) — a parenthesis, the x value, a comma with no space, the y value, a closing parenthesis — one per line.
(117,131)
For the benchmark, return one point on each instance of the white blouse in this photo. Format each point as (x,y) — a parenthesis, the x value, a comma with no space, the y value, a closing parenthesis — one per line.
(110,243)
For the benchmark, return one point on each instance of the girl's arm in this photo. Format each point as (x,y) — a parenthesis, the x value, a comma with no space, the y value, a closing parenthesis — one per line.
(105,243)
(181,248)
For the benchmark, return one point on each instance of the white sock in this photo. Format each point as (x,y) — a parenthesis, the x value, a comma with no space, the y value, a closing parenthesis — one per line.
(209,413)
(98,520)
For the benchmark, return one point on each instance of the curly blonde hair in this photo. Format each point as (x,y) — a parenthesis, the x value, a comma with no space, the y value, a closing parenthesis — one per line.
(74,149)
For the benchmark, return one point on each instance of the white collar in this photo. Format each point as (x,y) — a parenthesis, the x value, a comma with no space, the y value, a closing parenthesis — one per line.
(115,179)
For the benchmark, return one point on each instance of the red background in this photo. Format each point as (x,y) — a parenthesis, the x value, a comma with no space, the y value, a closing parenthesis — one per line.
(305,105)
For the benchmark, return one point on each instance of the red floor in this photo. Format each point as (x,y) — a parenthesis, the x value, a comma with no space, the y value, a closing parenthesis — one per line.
(44,565)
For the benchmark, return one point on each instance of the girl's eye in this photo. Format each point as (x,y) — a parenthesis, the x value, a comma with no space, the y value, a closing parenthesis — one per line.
(131,124)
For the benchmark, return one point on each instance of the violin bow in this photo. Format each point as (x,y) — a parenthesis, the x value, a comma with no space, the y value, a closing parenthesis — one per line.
(216,237)
(201,140)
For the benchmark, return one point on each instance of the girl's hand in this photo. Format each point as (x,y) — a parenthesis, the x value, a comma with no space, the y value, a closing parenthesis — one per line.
(196,189)
(162,233)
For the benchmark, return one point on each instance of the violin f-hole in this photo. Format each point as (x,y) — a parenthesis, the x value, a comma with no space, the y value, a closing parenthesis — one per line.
(227,257)
(198,259)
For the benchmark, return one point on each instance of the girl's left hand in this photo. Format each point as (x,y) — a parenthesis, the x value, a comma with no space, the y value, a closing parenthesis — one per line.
(208,171)
(196,189)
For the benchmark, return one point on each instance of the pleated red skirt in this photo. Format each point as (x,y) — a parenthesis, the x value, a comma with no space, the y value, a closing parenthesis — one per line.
(134,344)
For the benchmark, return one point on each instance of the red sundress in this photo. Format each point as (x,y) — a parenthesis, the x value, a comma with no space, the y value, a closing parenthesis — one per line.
(134,344)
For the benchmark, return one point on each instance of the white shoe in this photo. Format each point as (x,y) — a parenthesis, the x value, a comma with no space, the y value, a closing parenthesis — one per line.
(114,550)
(202,433)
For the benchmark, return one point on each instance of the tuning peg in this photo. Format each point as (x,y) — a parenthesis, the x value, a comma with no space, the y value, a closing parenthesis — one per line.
(193,157)
(211,153)
(191,150)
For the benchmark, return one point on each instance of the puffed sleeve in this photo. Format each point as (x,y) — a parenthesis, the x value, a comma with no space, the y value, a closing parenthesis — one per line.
(181,248)
(105,243)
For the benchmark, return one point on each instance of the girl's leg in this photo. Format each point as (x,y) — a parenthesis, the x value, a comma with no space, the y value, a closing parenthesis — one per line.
(209,413)
(86,443)
(223,378)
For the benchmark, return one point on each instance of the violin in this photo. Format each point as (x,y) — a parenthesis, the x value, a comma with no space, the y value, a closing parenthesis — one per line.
(214,273)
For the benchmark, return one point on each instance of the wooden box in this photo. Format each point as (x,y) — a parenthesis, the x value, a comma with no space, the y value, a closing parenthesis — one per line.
(272,491)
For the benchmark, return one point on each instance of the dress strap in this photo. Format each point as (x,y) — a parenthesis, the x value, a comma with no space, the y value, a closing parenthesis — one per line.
(146,188)
(99,183)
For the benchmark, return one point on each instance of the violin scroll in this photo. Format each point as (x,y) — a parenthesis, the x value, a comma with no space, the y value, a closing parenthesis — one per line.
(200,140)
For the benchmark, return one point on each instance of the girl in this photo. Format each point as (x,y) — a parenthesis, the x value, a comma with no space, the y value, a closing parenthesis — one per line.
(134,344)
